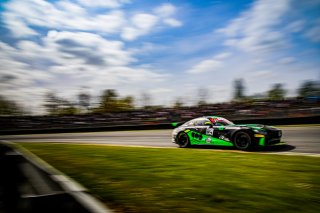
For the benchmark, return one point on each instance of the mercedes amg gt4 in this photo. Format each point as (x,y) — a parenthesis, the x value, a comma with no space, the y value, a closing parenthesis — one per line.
(218,131)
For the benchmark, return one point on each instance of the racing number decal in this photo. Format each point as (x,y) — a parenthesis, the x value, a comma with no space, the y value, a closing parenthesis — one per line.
(209,131)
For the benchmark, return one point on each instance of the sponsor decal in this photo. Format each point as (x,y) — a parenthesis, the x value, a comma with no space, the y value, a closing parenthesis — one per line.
(209,131)
(222,137)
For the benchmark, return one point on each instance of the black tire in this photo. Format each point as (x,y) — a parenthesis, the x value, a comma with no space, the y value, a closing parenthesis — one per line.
(242,140)
(183,140)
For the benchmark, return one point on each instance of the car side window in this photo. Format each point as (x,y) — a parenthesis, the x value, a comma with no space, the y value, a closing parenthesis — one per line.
(215,124)
(190,123)
(201,122)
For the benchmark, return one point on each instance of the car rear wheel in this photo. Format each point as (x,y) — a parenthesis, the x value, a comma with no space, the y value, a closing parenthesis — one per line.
(242,141)
(183,140)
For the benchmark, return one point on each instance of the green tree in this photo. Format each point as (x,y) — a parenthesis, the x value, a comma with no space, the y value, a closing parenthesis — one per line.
(84,100)
(308,89)
(108,101)
(59,106)
(52,103)
(277,92)
(178,103)
(8,107)
(67,108)
(203,94)
(146,100)
(239,90)
(111,102)
(126,103)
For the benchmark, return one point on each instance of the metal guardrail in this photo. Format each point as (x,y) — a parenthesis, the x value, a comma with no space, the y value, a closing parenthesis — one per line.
(267,121)
(27,184)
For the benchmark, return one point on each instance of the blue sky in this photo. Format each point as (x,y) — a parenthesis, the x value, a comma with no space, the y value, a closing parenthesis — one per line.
(168,49)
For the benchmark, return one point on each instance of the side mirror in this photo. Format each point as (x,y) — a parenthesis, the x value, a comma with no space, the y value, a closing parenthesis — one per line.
(174,124)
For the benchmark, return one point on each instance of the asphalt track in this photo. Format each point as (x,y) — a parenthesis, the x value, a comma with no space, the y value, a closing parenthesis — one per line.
(302,139)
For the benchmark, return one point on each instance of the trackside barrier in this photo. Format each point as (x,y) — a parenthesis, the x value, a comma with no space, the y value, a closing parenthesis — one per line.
(27,184)
(267,121)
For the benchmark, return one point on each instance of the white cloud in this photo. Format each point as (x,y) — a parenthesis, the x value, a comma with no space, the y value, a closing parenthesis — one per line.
(62,15)
(165,10)
(223,55)
(209,65)
(71,8)
(71,48)
(65,61)
(20,17)
(92,48)
(62,48)
(287,60)
(255,30)
(295,26)
(263,74)
(314,32)
(165,13)
(172,22)
(141,24)
(161,91)
(18,82)
(18,27)
(144,21)
(104,3)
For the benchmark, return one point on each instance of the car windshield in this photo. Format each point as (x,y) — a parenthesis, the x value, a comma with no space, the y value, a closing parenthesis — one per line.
(220,121)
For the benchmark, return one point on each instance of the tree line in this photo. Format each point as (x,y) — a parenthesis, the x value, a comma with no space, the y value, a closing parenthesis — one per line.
(308,89)
(110,101)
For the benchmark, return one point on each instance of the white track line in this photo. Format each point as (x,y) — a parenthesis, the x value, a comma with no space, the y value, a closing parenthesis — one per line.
(215,150)
(293,153)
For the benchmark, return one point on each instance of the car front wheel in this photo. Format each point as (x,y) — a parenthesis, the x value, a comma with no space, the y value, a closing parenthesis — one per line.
(183,140)
(242,141)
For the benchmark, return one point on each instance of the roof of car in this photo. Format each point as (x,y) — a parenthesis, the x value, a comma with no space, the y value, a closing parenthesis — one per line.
(212,116)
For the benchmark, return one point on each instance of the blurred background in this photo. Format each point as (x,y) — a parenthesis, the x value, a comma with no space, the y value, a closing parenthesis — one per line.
(138,62)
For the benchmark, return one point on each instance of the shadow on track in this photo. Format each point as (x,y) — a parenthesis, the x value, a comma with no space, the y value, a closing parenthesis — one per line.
(277,148)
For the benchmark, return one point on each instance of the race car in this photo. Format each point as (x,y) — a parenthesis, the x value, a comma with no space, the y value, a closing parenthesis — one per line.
(214,130)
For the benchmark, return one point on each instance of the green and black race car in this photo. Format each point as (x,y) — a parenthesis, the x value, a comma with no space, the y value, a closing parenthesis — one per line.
(214,130)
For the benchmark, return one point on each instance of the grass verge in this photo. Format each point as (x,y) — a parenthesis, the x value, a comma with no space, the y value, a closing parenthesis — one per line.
(131,179)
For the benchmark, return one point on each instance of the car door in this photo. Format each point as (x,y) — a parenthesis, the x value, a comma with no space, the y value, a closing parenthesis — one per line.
(215,133)
(204,133)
